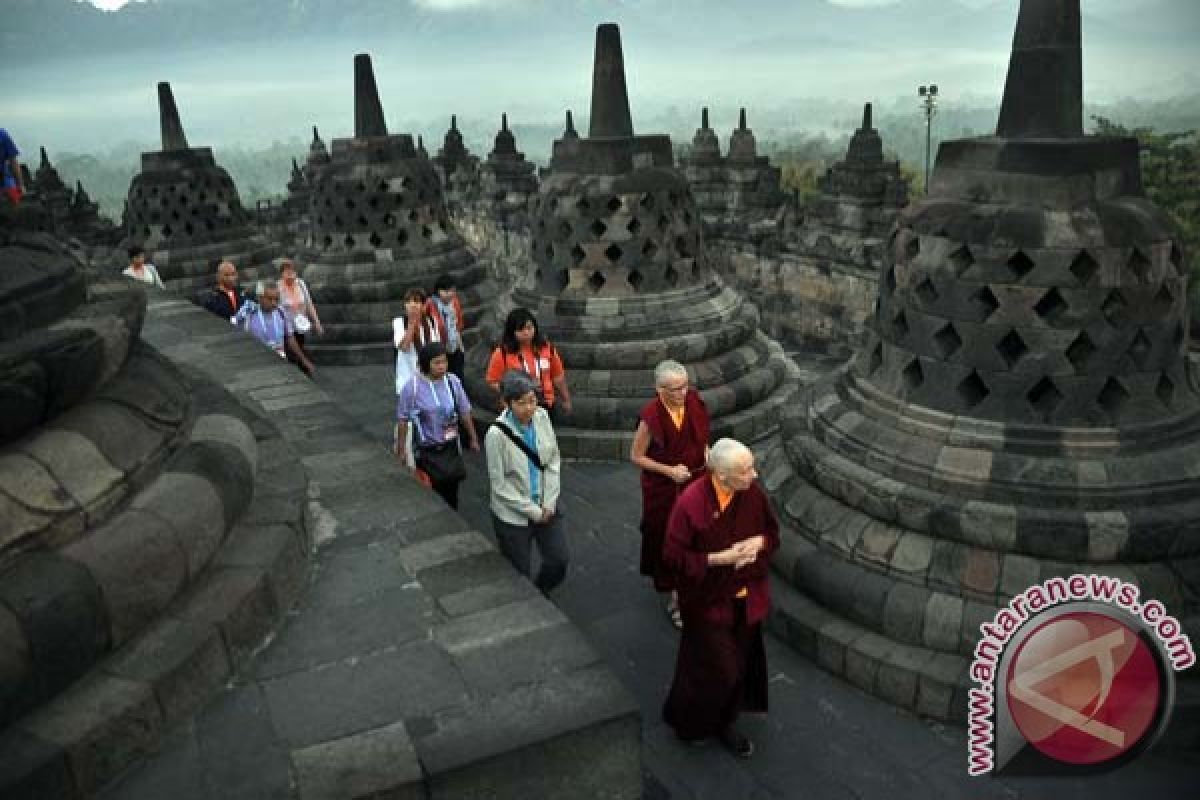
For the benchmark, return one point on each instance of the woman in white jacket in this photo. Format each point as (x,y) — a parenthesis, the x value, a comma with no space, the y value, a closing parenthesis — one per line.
(524,490)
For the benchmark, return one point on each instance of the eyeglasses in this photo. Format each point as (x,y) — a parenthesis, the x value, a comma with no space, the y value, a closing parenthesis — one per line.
(680,388)
(528,400)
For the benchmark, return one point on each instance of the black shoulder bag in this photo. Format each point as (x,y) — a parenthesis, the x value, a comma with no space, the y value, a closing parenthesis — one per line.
(442,462)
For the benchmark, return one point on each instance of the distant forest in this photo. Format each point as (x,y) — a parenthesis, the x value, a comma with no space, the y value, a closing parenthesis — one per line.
(1170,159)
(263,173)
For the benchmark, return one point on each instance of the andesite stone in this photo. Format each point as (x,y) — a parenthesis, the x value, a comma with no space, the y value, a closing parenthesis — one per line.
(185,210)
(622,279)
(1031,321)
(379,226)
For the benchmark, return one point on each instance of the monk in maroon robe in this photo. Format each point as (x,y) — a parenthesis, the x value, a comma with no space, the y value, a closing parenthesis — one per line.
(720,538)
(670,446)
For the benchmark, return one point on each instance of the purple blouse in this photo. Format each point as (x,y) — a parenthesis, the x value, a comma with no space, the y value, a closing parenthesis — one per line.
(434,407)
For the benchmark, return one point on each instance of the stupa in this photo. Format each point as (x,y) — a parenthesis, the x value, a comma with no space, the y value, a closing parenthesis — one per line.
(622,280)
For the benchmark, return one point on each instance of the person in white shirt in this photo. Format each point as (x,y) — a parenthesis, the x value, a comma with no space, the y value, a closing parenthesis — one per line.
(140,270)
(409,333)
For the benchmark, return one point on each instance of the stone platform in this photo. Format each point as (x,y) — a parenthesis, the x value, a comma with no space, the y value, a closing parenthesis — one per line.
(824,738)
(415,664)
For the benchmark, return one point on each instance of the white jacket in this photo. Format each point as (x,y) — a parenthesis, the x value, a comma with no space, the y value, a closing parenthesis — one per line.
(508,471)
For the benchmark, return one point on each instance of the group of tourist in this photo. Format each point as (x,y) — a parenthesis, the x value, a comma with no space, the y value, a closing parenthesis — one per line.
(433,414)
(280,315)
(707,527)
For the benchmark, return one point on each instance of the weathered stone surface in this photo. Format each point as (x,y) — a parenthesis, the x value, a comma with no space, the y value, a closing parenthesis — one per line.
(15,664)
(434,552)
(489,628)
(33,768)
(276,550)
(103,724)
(490,595)
(77,465)
(139,567)
(25,480)
(223,467)
(335,633)
(227,430)
(576,702)
(184,662)
(239,601)
(417,679)
(61,612)
(189,506)
(533,656)
(363,765)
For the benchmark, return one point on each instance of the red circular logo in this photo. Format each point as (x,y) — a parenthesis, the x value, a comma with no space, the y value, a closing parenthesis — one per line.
(1084,688)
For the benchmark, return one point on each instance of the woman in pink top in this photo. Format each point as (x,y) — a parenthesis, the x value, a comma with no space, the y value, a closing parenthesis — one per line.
(297,303)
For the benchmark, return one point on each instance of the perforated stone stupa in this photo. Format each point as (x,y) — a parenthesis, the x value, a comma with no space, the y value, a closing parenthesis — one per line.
(819,293)
(508,181)
(52,192)
(1023,406)
(379,228)
(623,280)
(458,169)
(860,198)
(739,196)
(184,209)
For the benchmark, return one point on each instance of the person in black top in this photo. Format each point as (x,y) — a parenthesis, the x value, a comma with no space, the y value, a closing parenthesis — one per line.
(225,298)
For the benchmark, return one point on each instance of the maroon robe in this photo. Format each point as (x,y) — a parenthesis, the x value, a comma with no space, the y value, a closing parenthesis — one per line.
(670,446)
(721,669)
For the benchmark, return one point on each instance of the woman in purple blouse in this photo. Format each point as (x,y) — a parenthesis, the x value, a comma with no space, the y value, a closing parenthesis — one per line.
(435,403)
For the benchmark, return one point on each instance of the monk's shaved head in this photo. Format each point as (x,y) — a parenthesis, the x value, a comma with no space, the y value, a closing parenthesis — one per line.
(728,456)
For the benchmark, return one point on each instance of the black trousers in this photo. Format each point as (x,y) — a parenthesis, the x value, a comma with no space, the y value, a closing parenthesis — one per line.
(448,491)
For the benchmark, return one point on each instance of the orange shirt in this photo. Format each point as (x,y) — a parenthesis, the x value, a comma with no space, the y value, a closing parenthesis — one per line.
(544,368)
(724,498)
(677,417)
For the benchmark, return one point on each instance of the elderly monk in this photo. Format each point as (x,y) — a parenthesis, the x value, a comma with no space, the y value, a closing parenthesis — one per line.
(719,542)
(670,446)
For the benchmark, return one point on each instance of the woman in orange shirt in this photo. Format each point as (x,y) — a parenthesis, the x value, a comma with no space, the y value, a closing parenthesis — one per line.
(523,347)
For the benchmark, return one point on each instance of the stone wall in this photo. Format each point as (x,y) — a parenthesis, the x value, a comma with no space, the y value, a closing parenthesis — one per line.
(805,304)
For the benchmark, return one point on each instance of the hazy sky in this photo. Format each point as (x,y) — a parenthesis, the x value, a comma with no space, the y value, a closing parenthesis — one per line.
(735,54)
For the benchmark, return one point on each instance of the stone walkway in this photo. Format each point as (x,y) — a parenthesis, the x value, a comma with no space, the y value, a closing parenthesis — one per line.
(822,739)
(415,663)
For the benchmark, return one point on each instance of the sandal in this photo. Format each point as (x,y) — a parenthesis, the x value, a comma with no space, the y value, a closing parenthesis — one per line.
(737,742)
(675,615)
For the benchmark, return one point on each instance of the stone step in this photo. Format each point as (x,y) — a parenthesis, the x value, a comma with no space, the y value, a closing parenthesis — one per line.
(244,582)
(930,683)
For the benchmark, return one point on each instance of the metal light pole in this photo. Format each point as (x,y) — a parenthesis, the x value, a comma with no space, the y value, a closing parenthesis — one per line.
(929,106)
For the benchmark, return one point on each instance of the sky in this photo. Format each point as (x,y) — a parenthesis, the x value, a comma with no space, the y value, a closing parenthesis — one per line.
(676,62)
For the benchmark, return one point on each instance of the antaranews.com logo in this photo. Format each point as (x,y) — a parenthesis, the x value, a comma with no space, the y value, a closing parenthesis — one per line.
(1075,674)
